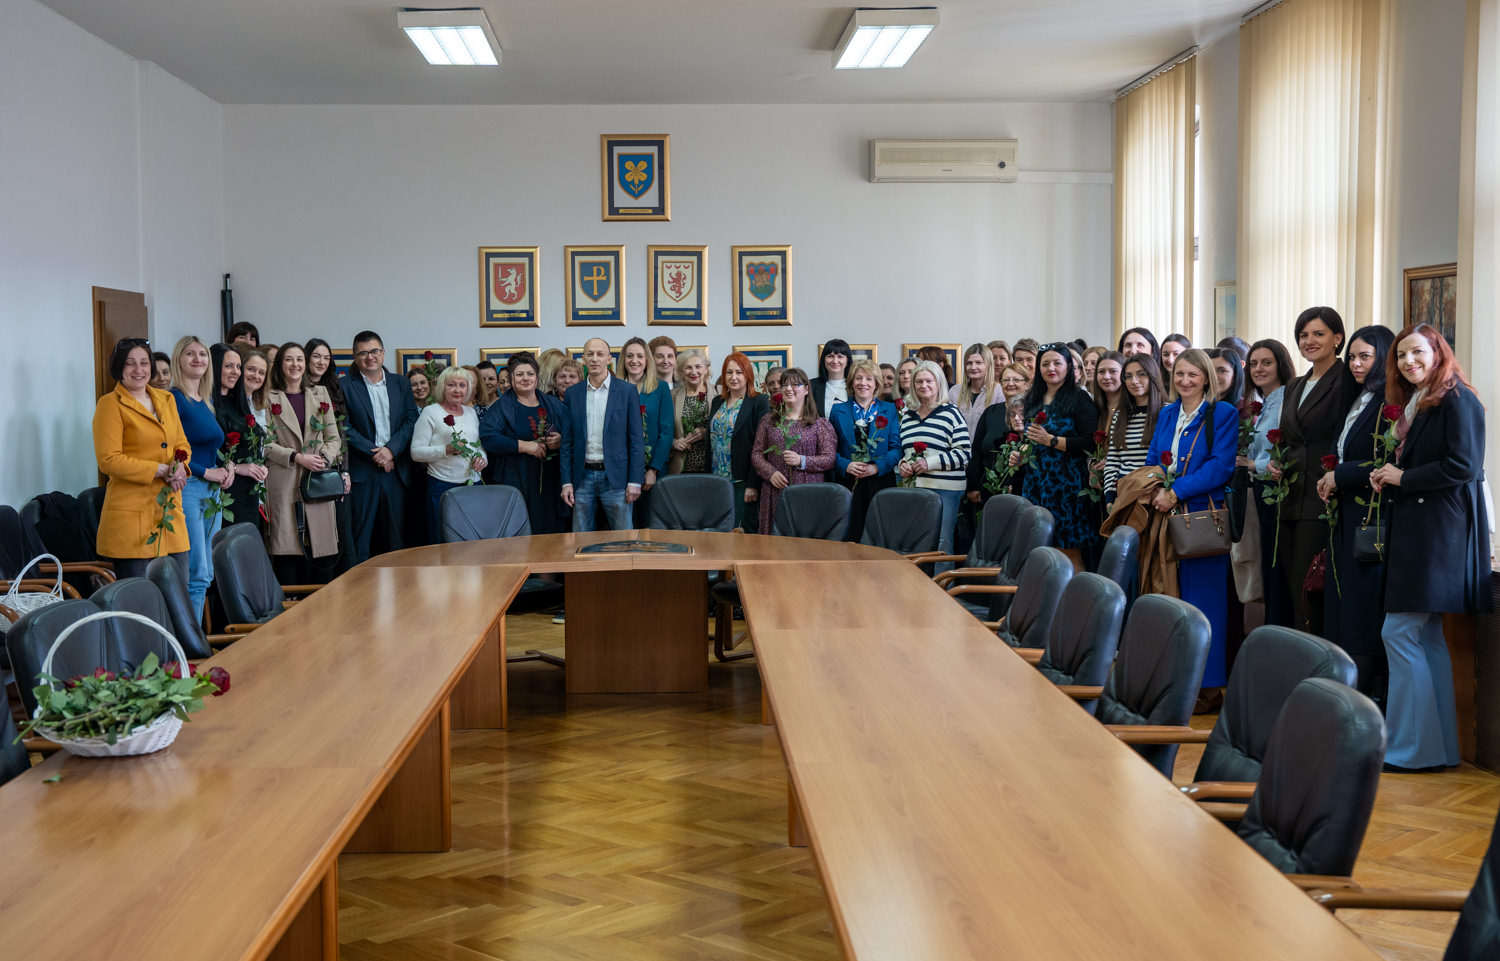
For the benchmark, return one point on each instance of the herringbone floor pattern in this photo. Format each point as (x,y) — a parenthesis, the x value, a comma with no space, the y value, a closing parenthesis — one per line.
(653,827)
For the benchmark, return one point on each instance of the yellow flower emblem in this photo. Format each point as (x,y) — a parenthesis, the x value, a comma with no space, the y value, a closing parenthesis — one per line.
(635,172)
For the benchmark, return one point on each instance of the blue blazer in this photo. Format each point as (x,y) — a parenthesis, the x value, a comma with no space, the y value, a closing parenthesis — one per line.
(885,449)
(659,426)
(1208,470)
(507,421)
(624,439)
(361,424)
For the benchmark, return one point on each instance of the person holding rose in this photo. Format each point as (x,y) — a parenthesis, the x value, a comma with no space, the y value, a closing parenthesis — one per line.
(304,437)
(446,439)
(1061,419)
(1269,369)
(192,389)
(868,432)
(733,417)
(656,413)
(522,435)
(935,447)
(1437,553)
(1132,423)
(241,448)
(793,445)
(690,447)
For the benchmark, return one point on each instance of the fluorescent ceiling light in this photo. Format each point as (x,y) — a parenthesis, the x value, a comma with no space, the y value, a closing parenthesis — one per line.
(452,37)
(883,38)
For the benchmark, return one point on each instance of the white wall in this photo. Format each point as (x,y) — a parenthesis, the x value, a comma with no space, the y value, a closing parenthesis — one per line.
(343,218)
(91,139)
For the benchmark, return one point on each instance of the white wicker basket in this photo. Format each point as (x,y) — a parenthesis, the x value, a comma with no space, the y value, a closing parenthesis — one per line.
(25,602)
(145,739)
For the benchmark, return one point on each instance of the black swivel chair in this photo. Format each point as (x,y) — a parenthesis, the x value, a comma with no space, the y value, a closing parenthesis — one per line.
(692,502)
(1037,592)
(1120,561)
(992,537)
(905,520)
(140,595)
(115,644)
(1032,529)
(1084,633)
(247,585)
(233,530)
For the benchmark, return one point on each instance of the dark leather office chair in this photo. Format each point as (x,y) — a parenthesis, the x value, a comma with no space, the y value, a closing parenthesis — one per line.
(992,538)
(114,644)
(20,542)
(14,760)
(233,530)
(1084,633)
(905,520)
(1120,561)
(1157,672)
(692,502)
(168,577)
(493,511)
(1033,529)
(140,595)
(246,583)
(61,523)
(1039,589)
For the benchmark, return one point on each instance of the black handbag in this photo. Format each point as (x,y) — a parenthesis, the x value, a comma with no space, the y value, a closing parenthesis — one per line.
(1370,540)
(1236,499)
(321,485)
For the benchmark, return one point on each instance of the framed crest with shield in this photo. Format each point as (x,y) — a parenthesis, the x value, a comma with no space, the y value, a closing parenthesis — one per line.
(765,356)
(636,176)
(596,285)
(508,292)
(762,284)
(500,356)
(949,350)
(678,278)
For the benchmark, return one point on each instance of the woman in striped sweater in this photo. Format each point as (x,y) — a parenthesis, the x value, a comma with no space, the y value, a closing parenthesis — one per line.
(938,425)
(1132,423)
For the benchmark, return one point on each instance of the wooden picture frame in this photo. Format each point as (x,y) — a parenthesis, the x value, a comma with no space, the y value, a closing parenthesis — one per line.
(614,356)
(410,357)
(635,176)
(595,288)
(765,356)
(870,351)
(343,360)
(1226,310)
(500,356)
(762,284)
(509,295)
(950,350)
(677,285)
(1431,297)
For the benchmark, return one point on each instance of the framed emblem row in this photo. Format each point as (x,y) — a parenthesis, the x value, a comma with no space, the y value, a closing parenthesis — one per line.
(676,291)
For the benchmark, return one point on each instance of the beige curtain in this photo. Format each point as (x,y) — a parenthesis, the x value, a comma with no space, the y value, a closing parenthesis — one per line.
(1314,105)
(1154,203)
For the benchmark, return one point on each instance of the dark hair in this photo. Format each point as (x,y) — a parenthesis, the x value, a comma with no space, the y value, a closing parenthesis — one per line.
(809,406)
(1236,389)
(517,359)
(1079,344)
(1330,318)
(365,336)
(159,357)
(1038,389)
(1284,370)
(1237,345)
(1149,337)
(236,402)
(485,365)
(278,379)
(1155,396)
(1383,341)
(330,379)
(835,346)
(121,353)
(1099,399)
(1178,339)
(242,327)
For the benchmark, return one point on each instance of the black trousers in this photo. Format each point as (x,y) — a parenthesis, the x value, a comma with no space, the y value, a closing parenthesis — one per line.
(377,511)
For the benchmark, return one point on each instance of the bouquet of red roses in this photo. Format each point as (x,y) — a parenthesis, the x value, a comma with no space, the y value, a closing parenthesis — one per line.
(997,476)
(218,502)
(1247,427)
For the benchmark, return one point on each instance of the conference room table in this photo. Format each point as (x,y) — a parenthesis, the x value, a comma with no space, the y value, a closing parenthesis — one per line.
(956,804)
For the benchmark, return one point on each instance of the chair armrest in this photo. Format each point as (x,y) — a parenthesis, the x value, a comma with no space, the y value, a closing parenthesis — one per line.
(222,640)
(925,557)
(993,625)
(104,569)
(1082,692)
(1157,734)
(240,629)
(1225,811)
(1397,899)
(1220,790)
(300,588)
(1324,882)
(958,589)
(37,585)
(40,745)
(964,573)
(1031,655)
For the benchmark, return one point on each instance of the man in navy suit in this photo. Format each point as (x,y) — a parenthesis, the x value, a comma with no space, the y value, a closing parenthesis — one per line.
(604,454)
(382,414)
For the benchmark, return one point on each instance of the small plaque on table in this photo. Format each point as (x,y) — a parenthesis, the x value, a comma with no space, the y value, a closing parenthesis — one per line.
(634,547)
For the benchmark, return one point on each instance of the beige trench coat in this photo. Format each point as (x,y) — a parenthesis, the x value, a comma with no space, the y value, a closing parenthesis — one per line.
(284,478)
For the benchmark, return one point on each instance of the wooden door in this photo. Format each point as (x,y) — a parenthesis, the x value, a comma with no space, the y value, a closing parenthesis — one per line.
(117,314)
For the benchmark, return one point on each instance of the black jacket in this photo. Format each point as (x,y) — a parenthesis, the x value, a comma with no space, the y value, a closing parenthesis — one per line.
(1310,430)
(751,411)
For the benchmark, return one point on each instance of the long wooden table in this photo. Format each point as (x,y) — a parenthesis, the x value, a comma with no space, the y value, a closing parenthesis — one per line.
(958,806)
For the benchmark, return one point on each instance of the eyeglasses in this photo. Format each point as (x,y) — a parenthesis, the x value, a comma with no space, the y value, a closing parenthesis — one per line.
(373,352)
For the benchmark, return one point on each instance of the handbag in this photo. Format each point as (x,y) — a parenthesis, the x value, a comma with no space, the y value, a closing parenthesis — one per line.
(1236,502)
(1317,573)
(321,485)
(1203,533)
(1370,540)
(22,602)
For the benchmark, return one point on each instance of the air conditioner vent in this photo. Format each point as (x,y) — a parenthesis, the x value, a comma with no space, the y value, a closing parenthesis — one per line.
(938,161)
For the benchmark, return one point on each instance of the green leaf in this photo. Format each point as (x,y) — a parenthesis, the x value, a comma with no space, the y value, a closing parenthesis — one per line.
(52,780)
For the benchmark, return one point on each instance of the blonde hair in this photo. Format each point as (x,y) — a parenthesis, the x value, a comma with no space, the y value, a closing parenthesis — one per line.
(965,392)
(682,361)
(649,380)
(204,387)
(930,367)
(546,369)
(1197,358)
(258,396)
(436,393)
(862,365)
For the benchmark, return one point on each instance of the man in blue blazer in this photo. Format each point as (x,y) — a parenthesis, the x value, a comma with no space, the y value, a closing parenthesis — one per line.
(382,414)
(604,452)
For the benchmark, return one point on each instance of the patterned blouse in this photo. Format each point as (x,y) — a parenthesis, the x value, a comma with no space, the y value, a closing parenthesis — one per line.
(695,460)
(721,432)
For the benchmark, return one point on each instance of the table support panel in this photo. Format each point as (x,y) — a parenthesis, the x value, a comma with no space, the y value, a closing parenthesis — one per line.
(413,814)
(313,934)
(637,632)
(480,698)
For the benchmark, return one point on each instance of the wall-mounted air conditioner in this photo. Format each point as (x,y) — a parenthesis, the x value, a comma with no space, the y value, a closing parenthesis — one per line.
(943,161)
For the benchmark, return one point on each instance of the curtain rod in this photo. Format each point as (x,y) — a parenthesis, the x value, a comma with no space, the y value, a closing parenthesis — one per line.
(1157,71)
(1263,8)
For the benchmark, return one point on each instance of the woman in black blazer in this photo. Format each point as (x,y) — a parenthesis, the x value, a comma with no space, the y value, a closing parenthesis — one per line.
(1354,591)
(830,386)
(737,386)
(1438,548)
(1312,416)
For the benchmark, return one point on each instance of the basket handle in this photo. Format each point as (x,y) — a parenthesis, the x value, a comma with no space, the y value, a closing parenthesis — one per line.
(104,615)
(15,585)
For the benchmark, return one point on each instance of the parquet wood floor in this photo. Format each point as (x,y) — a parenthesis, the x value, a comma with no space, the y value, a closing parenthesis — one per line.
(653,826)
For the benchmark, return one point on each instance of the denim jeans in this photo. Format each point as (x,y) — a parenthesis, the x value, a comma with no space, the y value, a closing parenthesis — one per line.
(1421,719)
(195,496)
(593,492)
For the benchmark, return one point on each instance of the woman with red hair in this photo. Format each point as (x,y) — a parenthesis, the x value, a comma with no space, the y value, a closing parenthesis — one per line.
(1437,551)
(732,419)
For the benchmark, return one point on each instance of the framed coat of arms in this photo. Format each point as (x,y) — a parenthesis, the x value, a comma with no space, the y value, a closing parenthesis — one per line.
(596,285)
(508,287)
(762,284)
(678,281)
(636,176)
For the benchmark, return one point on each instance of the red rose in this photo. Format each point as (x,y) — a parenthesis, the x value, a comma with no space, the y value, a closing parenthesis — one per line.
(1391,412)
(880,422)
(233,438)
(276,410)
(1256,407)
(919,448)
(449,420)
(174,669)
(181,455)
(901,405)
(1041,417)
(219,678)
(323,408)
(1100,436)
(1012,437)
(1274,435)
(1166,458)
(1329,462)
(776,398)
(643,410)
(427,355)
(104,675)
(250,419)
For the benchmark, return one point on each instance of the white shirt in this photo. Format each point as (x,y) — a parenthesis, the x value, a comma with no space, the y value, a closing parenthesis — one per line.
(835,392)
(429,443)
(1184,417)
(380,408)
(1307,390)
(598,402)
(1360,404)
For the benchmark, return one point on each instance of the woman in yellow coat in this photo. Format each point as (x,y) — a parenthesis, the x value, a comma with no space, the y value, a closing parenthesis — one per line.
(137,440)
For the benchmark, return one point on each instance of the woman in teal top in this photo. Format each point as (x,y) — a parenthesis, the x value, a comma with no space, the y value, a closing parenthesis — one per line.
(656,412)
(732,418)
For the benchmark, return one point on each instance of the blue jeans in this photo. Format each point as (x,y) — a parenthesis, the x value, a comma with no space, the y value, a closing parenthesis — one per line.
(593,491)
(435,491)
(195,496)
(1420,716)
(951,500)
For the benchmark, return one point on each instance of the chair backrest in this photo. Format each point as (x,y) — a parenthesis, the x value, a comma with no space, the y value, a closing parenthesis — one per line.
(92,501)
(1317,786)
(1120,561)
(996,530)
(139,595)
(904,519)
(168,577)
(1037,595)
(1269,666)
(819,511)
(17,543)
(1477,936)
(13,757)
(247,585)
(233,530)
(1085,632)
(107,644)
(692,502)
(1032,529)
(484,512)
(1158,670)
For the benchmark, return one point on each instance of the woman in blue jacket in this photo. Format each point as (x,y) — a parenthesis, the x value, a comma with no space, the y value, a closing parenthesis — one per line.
(868,431)
(656,411)
(521,433)
(1200,434)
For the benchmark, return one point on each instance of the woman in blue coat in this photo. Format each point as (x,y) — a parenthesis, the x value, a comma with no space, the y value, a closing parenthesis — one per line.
(1200,434)
(868,422)
(657,415)
(1437,555)
(521,433)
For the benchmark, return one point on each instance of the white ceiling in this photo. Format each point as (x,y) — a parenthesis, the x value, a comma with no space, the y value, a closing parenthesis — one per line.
(650,51)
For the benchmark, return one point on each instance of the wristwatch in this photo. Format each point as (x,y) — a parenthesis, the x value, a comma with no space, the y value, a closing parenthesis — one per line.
(1053,442)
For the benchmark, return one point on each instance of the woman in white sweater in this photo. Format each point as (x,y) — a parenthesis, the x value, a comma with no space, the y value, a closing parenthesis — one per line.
(446,439)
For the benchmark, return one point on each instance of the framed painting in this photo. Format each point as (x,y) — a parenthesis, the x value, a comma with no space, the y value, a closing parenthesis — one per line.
(949,350)
(870,352)
(508,292)
(410,358)
(635,174)
(343,360)
(500,356)
(614,356)
(1432,298)
(678,279)
(596,285)
(763,357)
(762,284)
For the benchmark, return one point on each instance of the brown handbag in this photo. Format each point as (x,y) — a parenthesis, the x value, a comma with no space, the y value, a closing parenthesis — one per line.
(1203,533)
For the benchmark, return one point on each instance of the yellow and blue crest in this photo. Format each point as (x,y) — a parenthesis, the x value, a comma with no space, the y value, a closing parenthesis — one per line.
(635,172)
(595,277)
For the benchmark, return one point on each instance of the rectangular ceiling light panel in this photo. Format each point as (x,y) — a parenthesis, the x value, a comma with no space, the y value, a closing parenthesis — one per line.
(883,38)
(452,37)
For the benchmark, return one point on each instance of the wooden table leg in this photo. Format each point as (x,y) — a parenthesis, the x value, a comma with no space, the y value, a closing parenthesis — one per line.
(765,705)
(796,830)
(313,934)
(414,812)
(637,631)
(479,699)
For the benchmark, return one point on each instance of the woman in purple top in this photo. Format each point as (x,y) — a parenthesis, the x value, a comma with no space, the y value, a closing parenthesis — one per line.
(793,445)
